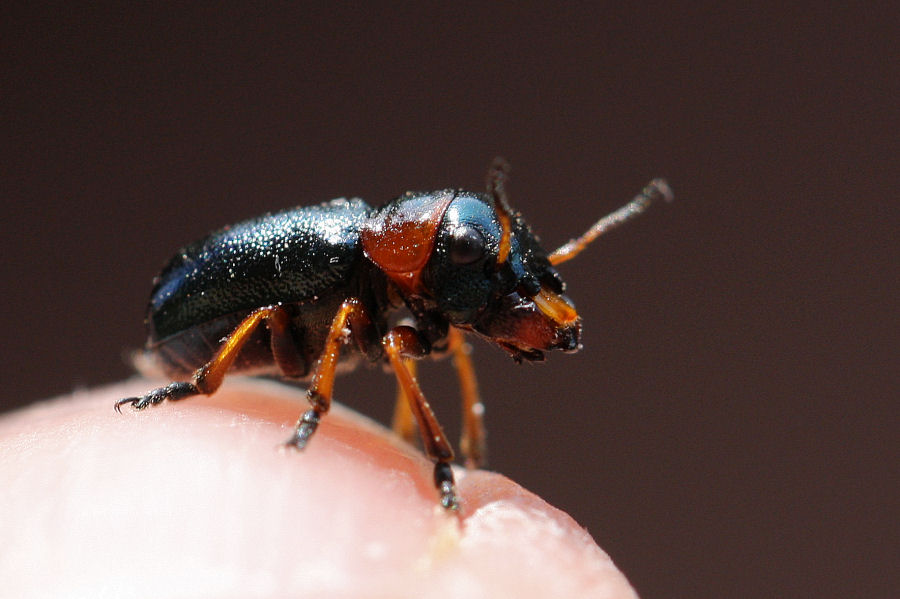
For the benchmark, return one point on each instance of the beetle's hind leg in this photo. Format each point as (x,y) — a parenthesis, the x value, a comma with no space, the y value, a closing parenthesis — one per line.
(208,378)
(352,313)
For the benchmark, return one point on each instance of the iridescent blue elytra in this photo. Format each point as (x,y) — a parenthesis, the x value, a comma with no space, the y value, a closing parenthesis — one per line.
(290,256)
(309,259)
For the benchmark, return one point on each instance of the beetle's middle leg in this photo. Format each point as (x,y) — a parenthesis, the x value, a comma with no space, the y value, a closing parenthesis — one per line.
(209,377)
(352,313)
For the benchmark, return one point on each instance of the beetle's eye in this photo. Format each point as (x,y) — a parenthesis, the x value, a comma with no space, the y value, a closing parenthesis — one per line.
(467,245)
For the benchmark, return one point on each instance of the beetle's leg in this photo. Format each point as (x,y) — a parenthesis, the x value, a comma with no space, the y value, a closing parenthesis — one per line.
(351,312)
(284,348)
(472,444)
(403,342)
(403,423)
(209,377)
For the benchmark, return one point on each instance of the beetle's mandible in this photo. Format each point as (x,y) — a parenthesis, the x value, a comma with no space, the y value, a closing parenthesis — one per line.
(276,295)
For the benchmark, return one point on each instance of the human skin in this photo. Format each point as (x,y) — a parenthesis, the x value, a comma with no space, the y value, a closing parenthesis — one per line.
(198,498)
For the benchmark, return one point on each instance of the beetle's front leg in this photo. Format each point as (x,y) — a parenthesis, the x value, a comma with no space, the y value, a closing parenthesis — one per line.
(472,443)
(404,342)
(353,313)
(403,422)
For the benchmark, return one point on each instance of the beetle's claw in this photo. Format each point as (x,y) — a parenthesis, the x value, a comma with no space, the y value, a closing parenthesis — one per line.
(128,400)
(174,391)
(137,403)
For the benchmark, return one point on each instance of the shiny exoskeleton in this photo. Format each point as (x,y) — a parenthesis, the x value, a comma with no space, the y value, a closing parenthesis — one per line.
(284,292)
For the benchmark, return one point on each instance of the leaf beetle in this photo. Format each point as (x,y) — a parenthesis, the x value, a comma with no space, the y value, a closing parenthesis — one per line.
(282,293)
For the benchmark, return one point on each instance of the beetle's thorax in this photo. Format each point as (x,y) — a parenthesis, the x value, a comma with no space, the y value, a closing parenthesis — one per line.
(399,237)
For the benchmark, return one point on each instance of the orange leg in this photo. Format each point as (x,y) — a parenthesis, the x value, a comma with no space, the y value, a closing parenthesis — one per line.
(472,444)
(209,377)
(403,423)
(352,313)
(403,342)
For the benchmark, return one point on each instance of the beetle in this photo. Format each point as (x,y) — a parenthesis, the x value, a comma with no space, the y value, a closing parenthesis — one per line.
(282,293)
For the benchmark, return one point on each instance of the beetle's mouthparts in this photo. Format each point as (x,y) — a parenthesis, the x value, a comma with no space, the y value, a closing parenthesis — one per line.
(556,307)
(561,312)
(527,326)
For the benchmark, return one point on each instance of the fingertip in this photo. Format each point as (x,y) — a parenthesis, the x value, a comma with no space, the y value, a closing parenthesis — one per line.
(197,496)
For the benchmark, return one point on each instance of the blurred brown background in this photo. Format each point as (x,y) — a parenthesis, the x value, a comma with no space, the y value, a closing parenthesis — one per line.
(730,428)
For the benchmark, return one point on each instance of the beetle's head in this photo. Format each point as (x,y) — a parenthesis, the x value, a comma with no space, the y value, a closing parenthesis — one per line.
(503,287)
(471,258)
(453,250)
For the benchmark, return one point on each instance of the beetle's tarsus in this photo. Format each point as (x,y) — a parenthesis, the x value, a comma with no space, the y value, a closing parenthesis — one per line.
(172,392)
(443,480)
(305,429)
(449,500)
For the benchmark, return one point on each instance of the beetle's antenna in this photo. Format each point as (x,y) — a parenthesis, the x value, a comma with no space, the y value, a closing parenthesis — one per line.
(496,184)
(656,190)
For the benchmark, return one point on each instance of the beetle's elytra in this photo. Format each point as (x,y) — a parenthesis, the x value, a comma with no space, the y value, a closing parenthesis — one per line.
(458,261)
